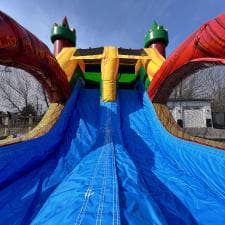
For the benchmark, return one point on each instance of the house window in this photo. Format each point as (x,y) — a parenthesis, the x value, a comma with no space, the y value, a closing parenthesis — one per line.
(180,123)
(208,122)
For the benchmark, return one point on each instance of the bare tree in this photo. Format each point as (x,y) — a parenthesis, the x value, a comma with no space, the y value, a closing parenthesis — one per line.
(207,83)
(186,88)
(19,90)
(42,95)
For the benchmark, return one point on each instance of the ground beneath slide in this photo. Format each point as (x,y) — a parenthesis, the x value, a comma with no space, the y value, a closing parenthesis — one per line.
(115,164)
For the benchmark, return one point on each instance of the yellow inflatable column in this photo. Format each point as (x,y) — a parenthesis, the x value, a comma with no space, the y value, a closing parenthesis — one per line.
(67,64)
(109,69)
(154,62)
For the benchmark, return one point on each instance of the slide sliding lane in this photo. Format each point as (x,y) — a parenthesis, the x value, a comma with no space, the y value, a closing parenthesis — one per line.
(185,180)
(30,171)
(89,194)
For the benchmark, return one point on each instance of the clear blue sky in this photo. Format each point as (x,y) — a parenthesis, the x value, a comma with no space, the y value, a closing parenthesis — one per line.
(113,22)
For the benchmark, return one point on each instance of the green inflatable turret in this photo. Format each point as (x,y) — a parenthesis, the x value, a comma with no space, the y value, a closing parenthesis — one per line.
(157,37)
(62,36)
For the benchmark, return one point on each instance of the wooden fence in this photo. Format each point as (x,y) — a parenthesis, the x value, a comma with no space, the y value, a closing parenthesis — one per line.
(17,125)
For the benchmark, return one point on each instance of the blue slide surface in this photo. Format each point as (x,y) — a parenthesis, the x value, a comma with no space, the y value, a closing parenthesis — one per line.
(111,163)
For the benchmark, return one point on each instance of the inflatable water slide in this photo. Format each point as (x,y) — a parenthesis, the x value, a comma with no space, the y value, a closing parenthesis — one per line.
(108,151)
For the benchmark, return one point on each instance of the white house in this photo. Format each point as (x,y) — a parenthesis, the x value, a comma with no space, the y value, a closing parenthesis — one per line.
(195,113)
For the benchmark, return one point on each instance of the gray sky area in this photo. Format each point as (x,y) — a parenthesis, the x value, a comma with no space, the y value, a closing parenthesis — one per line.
(122,23)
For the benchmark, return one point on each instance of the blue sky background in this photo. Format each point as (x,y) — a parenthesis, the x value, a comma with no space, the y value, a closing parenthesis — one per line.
(122,23)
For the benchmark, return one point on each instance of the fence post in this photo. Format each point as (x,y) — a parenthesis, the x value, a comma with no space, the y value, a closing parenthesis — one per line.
(6,126)
(30,122)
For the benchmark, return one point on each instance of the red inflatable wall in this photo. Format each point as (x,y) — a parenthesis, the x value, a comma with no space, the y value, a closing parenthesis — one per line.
(20,48)
(207,44)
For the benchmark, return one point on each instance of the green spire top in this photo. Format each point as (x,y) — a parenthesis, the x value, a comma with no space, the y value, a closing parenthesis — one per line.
(155,25)
(63,31)
(157,33)
(65,23)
